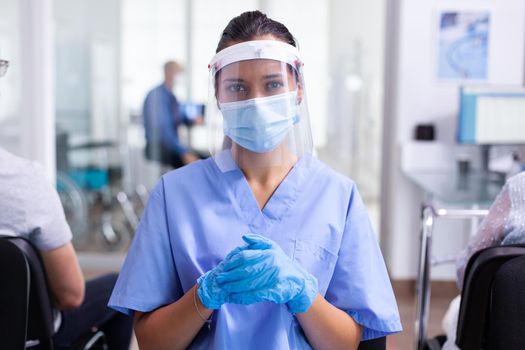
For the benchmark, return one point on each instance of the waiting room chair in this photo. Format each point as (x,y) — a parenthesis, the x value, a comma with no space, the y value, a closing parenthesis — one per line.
(492,310)
(373,344)
(26,313)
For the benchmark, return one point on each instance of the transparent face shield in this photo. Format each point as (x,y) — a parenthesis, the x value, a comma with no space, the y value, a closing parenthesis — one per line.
(257,114)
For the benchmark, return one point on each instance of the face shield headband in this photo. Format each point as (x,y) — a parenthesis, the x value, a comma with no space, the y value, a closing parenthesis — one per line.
(257,49)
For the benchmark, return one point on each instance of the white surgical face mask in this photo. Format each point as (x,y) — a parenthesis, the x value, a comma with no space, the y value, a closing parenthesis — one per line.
(262,123)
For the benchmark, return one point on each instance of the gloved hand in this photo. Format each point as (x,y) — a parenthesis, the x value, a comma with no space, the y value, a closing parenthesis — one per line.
(212,295)
(263,272)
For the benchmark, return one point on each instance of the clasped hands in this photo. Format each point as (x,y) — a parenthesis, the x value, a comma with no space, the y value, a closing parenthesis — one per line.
(258,271)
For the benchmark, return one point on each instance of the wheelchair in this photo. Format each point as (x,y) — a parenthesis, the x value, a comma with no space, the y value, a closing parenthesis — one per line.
(86,190)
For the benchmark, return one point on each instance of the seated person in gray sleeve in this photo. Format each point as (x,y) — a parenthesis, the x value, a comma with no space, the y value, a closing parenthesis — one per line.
(30,208)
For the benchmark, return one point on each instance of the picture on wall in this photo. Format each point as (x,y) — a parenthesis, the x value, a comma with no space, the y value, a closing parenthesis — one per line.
(463,45)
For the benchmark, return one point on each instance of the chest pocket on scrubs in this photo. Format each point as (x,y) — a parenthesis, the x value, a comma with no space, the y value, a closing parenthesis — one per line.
(317,260)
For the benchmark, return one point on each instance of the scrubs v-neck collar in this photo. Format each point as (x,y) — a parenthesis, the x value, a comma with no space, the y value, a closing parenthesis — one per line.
(279,204)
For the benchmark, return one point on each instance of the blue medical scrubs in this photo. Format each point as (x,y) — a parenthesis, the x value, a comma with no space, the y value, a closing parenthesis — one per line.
(197,214)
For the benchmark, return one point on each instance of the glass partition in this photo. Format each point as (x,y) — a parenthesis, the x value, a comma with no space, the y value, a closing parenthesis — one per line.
(110,54)
(87,83)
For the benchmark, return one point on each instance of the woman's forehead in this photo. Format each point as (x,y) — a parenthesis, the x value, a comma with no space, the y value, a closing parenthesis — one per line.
(253,68)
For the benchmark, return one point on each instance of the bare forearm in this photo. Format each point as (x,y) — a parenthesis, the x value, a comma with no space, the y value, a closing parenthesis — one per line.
(327,327)
(64,276)
(173,326)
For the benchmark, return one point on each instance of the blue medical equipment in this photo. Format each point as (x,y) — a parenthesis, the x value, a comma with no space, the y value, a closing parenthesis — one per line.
(491,115)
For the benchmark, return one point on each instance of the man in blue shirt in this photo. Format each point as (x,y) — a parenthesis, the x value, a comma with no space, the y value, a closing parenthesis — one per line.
(162,116)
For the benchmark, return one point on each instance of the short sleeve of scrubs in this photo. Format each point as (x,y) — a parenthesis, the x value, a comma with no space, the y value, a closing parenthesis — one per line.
(148,278)
(360,283)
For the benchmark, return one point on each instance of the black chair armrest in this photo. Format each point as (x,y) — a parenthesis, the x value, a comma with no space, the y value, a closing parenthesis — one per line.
(14,296)
(475,297)
(373,344)
(41,320)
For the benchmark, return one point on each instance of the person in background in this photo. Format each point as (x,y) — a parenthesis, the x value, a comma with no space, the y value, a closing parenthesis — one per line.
(260,246)
(162,117)
(504,225)
(30,208)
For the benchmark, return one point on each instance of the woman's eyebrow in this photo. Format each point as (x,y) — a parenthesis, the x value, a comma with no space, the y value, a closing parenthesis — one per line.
(273,76)
(232,80)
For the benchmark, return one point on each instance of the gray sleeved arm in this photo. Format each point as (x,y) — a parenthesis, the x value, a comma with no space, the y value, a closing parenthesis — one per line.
(45,217)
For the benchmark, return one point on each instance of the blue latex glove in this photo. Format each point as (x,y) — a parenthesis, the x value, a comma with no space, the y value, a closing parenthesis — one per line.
(212,295)
(263,272)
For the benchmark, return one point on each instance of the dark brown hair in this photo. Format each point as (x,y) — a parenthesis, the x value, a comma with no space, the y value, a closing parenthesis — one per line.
(251,24)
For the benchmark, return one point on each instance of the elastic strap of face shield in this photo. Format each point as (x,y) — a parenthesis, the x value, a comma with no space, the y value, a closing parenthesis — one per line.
(257,49)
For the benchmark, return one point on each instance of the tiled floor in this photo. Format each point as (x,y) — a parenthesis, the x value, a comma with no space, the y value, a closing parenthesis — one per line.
(442,294)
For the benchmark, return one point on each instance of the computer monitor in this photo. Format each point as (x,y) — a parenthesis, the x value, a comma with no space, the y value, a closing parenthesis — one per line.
(192,110)
(491,115)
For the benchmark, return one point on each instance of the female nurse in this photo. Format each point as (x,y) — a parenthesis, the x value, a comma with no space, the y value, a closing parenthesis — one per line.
(260,246)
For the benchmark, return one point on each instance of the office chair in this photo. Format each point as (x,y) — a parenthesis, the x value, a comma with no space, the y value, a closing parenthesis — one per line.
(26,316)
(492,310)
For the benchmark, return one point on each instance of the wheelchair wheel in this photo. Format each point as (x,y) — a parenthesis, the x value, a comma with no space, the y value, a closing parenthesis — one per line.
(75,205)
(114,232)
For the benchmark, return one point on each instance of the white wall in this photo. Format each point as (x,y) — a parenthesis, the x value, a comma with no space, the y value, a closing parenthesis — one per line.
(10,90)
(152,33)
(415,95)
(355,97)
(37,83)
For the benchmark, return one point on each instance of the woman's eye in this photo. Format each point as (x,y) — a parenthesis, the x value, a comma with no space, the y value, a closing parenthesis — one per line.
(272,85)
(236,88)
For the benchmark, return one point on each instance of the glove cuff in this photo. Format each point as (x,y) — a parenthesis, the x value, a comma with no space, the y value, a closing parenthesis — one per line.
(303,301)
(206,298)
